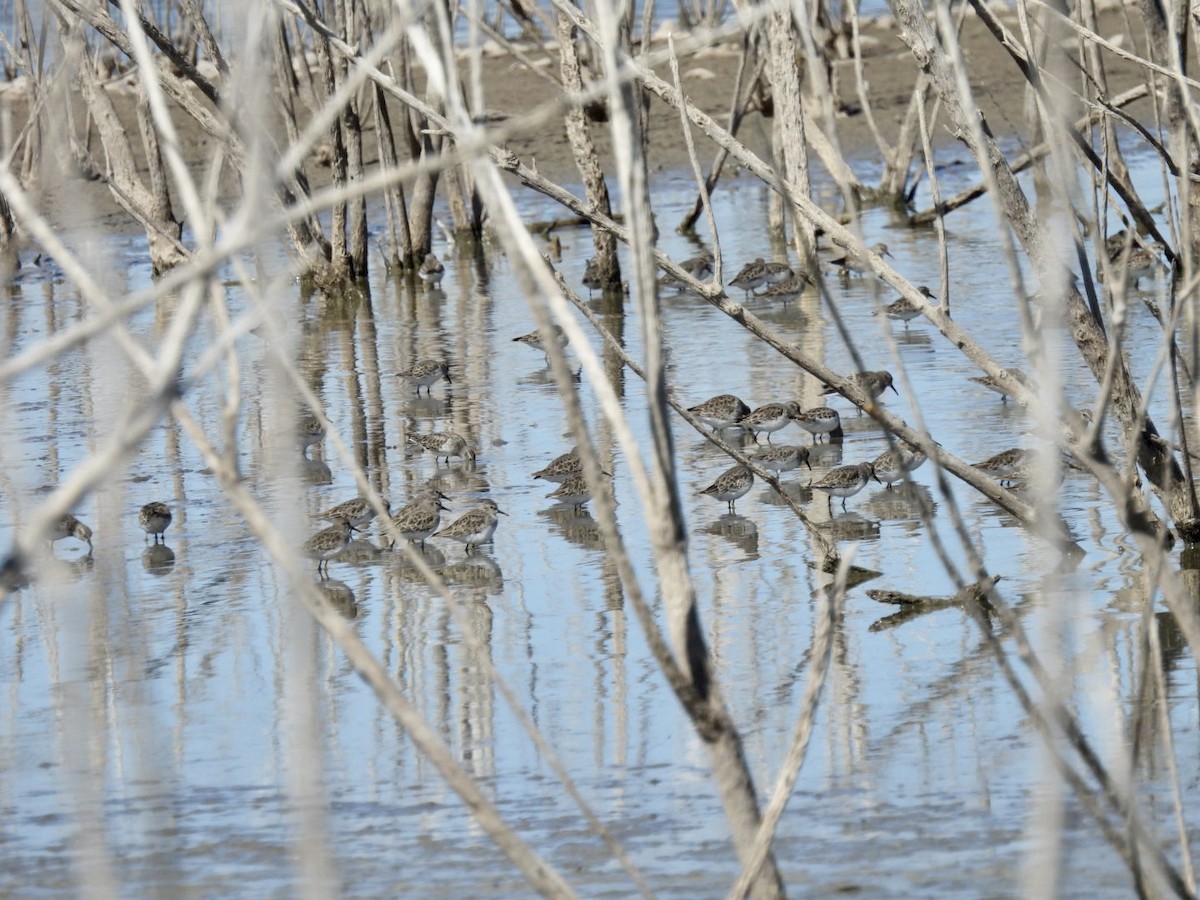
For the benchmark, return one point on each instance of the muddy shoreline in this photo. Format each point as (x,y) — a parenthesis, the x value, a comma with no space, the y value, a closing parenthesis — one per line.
(512,89)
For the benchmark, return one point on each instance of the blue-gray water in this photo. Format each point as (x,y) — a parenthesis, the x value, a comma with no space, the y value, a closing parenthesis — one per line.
(156,711)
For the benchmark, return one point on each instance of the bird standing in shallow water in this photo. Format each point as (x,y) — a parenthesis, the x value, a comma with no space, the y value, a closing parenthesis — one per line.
(420,518)
(845,482)
(444,444)
(820,420)
(432,270)
(780,458)
(995,384)
(721,411)
(730,485)
(476,527)
(561,467)
(870,383)
(327,543)
(904,310)
(358,512)
(769,418)
(154,519)
(69,526)
(892,465)
(761,273)
(425,372)
(852,262)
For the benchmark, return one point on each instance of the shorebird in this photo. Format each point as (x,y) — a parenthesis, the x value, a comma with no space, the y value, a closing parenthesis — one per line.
(780,458)
(358,512)
(444,444)
(761,273)
(475,527)
(820,420)
(852,262)
(904,310)
(892,465)
(327,544)
(154,519)
(69,526)
(720,412)
(870,383)
(431,271)
(844,482)
(995,384)
(769,418)
(419,519)
(425,372)
(561,467)
(730,485)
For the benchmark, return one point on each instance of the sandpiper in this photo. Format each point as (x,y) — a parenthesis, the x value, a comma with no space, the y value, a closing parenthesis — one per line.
(69,526)
(309,431)
(572,492)
(769,418)
(591,276)
(787,290)
(419,519)
(358,512)
(1000,387)
(699,267)
(1006,465)
(892,465)
(781,458)
(432,270)
(720,412)
(425,372)
(844,481)
(820,420)
(327,544)
(535,340)
(852,262)
(444,445)
(154,519)
(761,273)
(475,527)
(1135,258)
(904,310)
(561,467)
(730,485)
(870,383)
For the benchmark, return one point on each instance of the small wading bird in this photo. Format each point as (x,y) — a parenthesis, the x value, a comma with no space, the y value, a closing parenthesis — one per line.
(730,485)
(425,372)
(904,310)
(476,527)
(769,418)
(154,519)
(420,518)
(358,512)
(69,526)
(761,273)
(444,445)
(720,412)
(852,262)
(432,270)
(844,482)
(327,544)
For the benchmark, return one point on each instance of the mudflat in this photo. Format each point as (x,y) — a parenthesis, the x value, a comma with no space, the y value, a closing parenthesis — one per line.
(513,88)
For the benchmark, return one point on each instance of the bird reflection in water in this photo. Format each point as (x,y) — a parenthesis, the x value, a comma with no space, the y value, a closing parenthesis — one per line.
(158,559)
(340,597)
(738,530)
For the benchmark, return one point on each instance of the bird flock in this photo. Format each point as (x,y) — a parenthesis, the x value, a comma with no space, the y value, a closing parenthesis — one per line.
(420,519)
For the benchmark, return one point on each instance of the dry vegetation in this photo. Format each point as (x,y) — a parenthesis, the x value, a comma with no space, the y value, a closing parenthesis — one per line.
(326,113)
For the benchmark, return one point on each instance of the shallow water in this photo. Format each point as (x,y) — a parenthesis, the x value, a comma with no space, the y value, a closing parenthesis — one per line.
(153,701)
